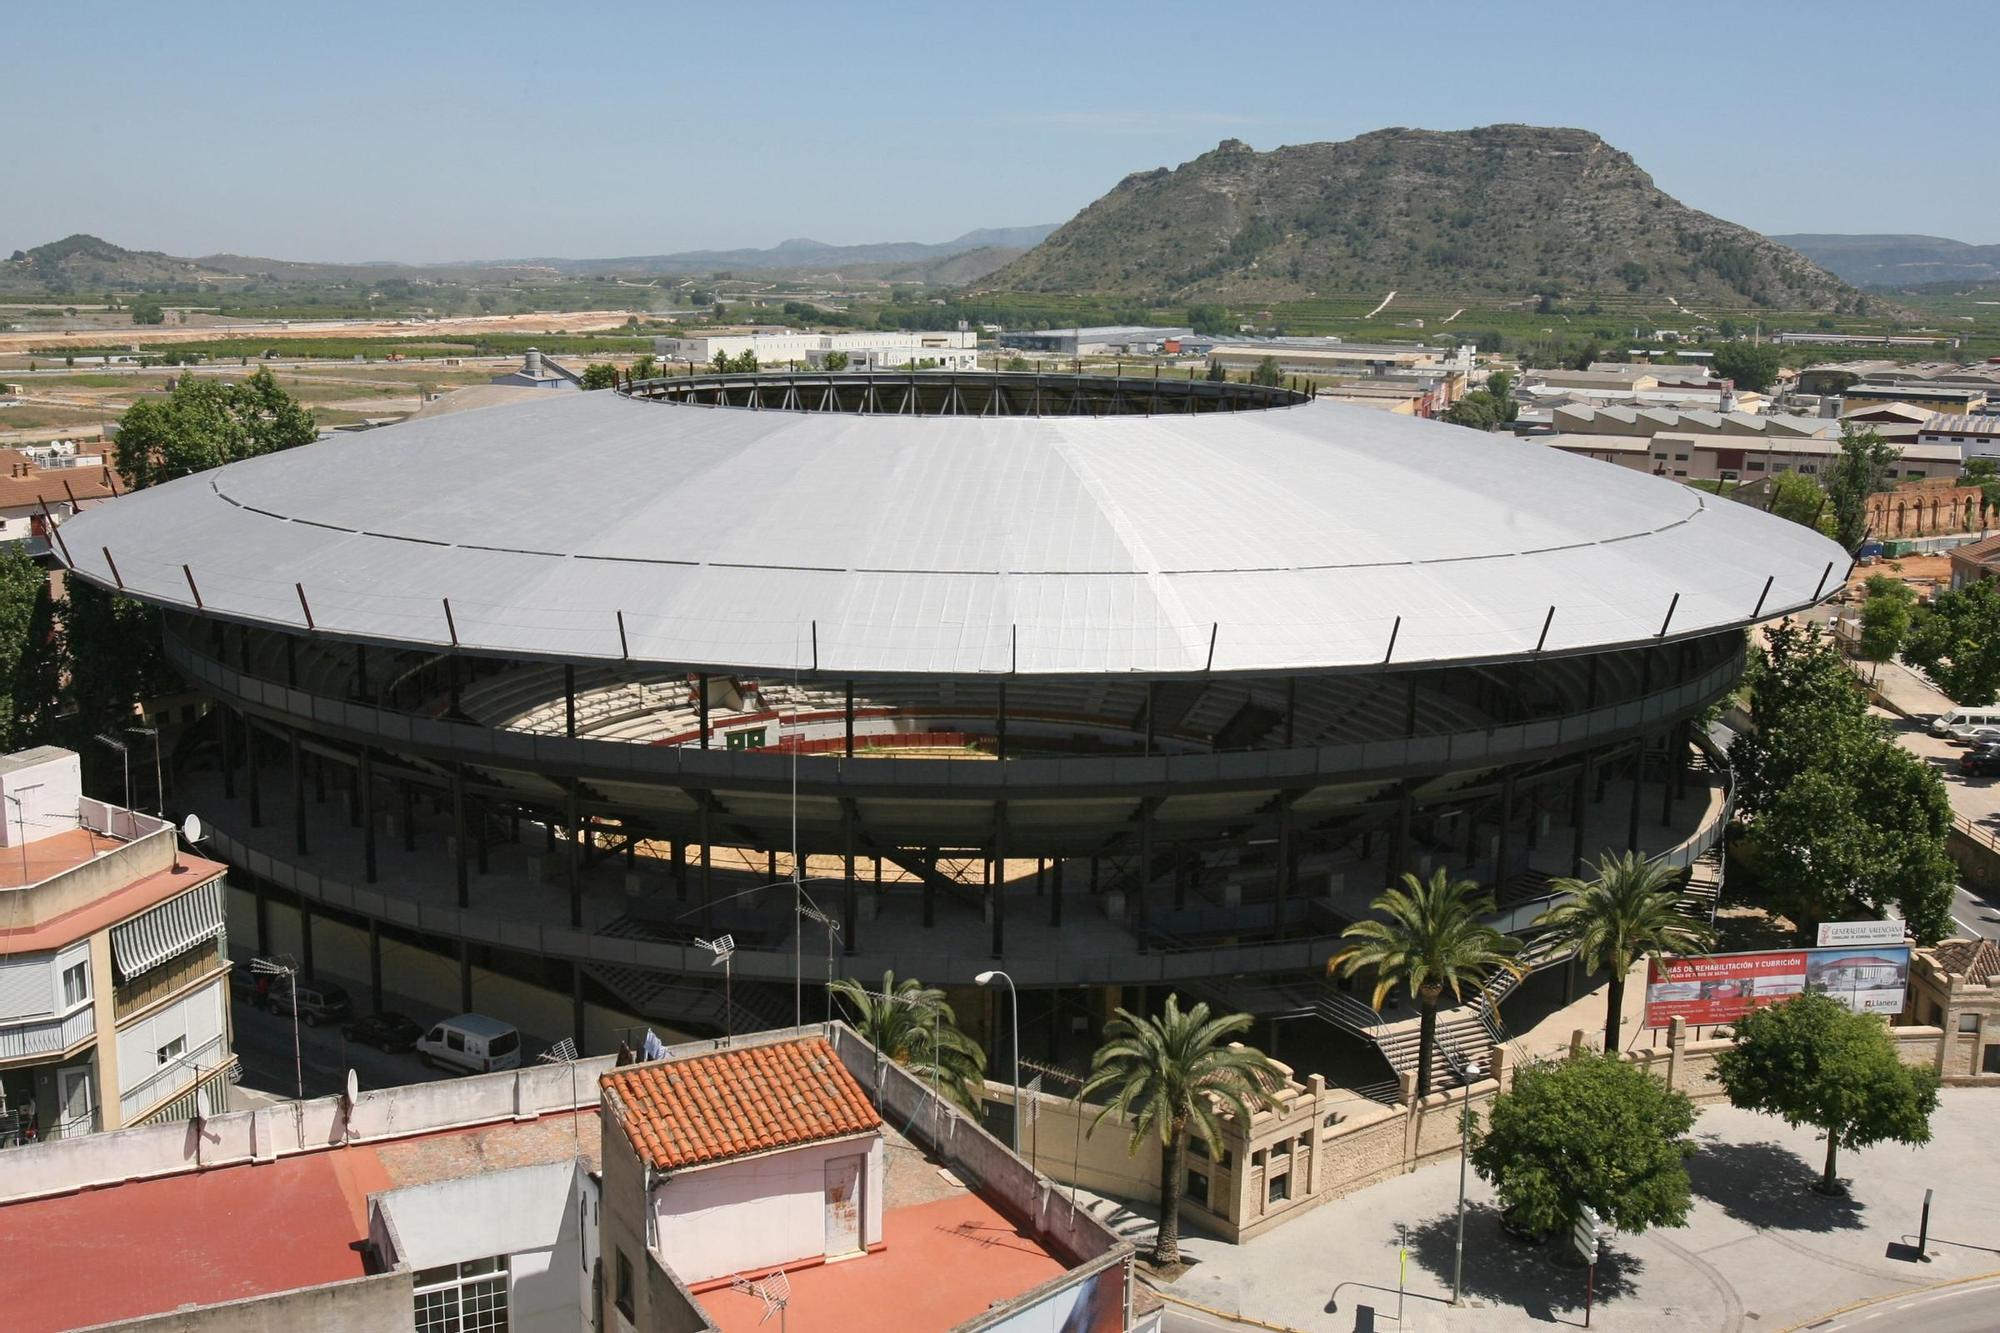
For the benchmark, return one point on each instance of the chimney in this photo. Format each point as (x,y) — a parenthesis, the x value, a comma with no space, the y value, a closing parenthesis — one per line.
(534,366)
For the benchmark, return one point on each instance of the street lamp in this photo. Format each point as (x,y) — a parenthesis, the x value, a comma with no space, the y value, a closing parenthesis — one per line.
(125,757)
(1014,996)
(282,966)
(159,773)
(1472,1074)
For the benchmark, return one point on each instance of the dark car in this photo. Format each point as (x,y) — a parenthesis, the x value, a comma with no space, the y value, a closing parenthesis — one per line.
(386,1031)
(1981,762)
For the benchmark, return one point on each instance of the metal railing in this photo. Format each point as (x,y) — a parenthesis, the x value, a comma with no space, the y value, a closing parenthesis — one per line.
(171,1080)
(47,1036)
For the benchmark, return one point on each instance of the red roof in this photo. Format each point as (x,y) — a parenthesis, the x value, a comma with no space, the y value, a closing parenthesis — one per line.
(710,1108)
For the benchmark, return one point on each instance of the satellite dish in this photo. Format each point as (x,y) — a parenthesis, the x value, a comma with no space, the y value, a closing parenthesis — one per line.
(353,1088)
(191,828)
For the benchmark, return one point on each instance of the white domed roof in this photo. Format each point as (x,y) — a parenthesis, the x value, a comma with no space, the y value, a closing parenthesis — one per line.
(1283,539)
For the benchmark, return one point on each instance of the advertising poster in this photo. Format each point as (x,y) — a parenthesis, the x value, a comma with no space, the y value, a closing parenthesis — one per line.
(1869,979)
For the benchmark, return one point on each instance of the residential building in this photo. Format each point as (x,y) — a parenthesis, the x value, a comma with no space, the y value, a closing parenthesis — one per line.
(1975,561)
(114,999)
(1331,356)
(795,1171)
(1976,436)
(40,488)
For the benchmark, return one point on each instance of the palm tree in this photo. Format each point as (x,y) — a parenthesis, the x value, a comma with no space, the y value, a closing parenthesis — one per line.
(1173,1075)
(913,1025)
(1630,911)
(1432,938)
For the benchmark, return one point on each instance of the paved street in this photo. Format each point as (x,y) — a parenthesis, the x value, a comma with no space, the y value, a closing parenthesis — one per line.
(1761,1248)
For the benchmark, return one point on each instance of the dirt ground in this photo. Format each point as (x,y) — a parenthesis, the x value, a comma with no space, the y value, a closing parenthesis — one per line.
(573,322)
(1922,572)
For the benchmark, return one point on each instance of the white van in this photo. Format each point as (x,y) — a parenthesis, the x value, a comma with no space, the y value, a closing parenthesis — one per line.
(471,1041)
(1967,724)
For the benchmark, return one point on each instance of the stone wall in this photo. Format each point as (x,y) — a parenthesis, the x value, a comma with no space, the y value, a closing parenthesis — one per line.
(357,1305)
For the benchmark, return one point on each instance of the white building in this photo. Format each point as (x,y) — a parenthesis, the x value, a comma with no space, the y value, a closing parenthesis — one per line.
(943,350)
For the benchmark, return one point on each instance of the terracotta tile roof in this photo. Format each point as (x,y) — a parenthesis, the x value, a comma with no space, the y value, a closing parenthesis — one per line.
(1973,959)
(680,1113)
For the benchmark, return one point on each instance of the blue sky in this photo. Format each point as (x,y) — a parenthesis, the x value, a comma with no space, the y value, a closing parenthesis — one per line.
(431,131)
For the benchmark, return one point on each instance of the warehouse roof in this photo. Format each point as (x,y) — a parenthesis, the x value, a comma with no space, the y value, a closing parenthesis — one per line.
(596,526)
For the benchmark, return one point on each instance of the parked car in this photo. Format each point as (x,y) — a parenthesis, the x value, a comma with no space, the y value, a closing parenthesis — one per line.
(472,1042)
(385,1031)
(1966,724)
(318,1001)
(1980,762)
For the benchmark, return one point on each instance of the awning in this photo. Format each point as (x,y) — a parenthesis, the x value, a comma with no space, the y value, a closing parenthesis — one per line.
(174,926)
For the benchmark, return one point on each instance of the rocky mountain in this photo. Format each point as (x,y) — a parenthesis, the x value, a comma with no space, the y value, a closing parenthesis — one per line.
(82,262)
(1504,210)
(1898,261)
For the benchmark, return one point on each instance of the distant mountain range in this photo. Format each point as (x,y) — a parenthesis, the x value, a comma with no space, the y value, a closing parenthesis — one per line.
(1898,261)
(83,263)
(1505,210)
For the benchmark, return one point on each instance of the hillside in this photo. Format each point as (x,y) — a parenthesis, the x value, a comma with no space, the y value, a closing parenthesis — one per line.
(1898,261)
(1505,210)
(82,262)
(802,254)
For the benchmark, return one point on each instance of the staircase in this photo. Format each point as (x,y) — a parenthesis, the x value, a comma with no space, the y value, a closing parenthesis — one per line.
(1704,886)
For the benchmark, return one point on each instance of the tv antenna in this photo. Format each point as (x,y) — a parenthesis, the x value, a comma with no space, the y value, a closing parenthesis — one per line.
(774,1289)
(724,949)
(564,1053)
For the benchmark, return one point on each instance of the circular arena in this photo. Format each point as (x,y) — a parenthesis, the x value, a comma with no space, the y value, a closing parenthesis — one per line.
(1121,681)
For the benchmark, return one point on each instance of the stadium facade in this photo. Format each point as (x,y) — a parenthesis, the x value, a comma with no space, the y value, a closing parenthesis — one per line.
(1121,682)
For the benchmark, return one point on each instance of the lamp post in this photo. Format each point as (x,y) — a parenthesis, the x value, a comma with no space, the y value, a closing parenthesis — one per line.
(1014,998)
(1472,1074)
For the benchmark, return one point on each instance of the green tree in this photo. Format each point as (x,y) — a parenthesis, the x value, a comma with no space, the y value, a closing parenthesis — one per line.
(1956,642)
(600,375)
(1210,320)
(913,1024)
(1797,497)
(1811,1061)
(1479,410)
(1172,1076)
(1633,909)
(1979,471)
(1750,366)
(1593,1132)
(1017,364)
(1217,372)
(205,423)
(1841,819)
(835,361)
(29,666)
(645,368)
(1427,937)
(1268,373)
(147,310)
(1886,616)
(1864,467)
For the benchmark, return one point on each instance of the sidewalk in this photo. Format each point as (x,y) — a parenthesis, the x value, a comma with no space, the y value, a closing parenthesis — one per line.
(1761,1250)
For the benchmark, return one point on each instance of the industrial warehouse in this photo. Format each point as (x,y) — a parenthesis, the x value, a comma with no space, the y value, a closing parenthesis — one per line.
(1124,683)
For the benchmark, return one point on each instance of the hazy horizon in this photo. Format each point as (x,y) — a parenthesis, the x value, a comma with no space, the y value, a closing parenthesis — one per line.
(461,133)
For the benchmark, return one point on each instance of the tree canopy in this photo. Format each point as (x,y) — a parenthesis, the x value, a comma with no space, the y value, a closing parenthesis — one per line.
(1956,642)
(600,375)
(1630,910)
(1864,467)
(1800,499)
(1811,1061)
(1886,616)
(913,1024)
(1173,1076)
(1593,1131)
(1751,367)
(1842,820)
(1427,936)
(206,422)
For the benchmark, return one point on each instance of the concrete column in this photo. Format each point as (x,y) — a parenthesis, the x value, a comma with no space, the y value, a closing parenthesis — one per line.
(707,880)
(1576,808)
(464,977)
(850,742)
(375,964)
(1638,774)
(569,700)
(1506,829)
(999,886)
(573,862)
(850,911)
(364,797)
(250,773)
(228,759)
(298,792)
(576,1006)
(305,938)
(461,880)
(1056,894)
(263,903)
(104,1019)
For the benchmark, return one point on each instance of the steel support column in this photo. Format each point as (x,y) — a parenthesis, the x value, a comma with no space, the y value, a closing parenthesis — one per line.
(250,772)
(364,783)
(569,700)
(460,879)
(1638,775)
(850,892)
(573,868)
(375,965)
(306,938)
(298,792)
(998,889)
(228,757)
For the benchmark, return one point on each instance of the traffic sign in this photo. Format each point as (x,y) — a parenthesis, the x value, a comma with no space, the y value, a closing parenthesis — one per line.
(1587,1231)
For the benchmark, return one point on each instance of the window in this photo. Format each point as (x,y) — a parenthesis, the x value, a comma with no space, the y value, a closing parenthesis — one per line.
(624,1299)
(1661,457)
(455,1039)
(1279,1189)
(1968,1022)
(463,1298)
(172,1051)
(76,984)
(1197,1189)
(1680,458)
(1989,1061)
(1809,469)
(1756,467)
(1914,472)
(1198,1148)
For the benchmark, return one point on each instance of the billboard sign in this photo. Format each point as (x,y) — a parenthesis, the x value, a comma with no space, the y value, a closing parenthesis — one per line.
(1719,988)
(1860,932)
